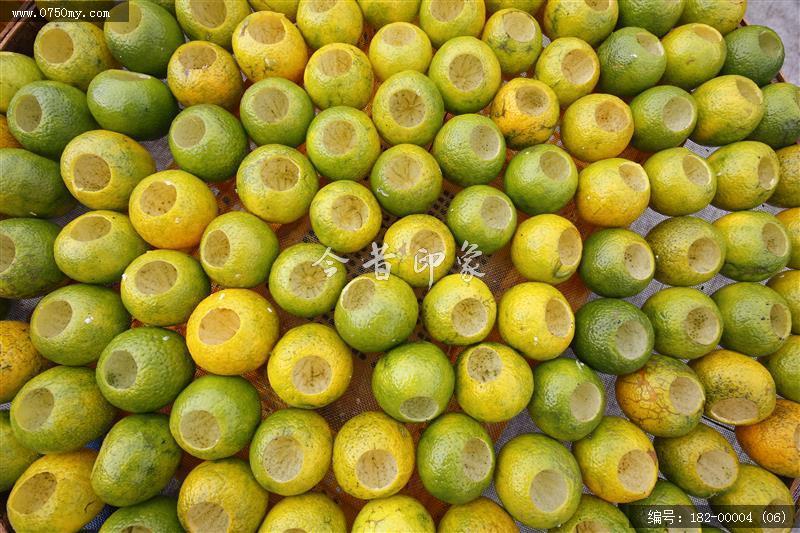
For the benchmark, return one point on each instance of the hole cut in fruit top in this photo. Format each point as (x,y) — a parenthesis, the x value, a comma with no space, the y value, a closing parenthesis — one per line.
(610,117)
(577,67)
(197,56)
(208,14)
(336,62)
(90,228)
(466,72)
(267,29)
(188,131)
(446,10)
(407,108)
(56,46)
(158,198)
(271,105)
(33,493)
(519,26)
(28,113)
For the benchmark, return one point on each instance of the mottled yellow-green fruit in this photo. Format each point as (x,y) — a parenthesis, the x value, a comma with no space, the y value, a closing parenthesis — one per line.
(54,494)
(631,60)
(784,365)
(28,267)
(594,514)
(276,111)
(285,194)
(7,140)
(306,512)
(546,248)
(787,192)
(617,461)
(466,72)
(373,456)
(291,451)
(408,108)
(305,281)
(739,390)
(399,46)
(232,332)
(481,514)
(17,70)
(101,168)
(310,366)
(156,514)
(526,111)
(597,126)
(419,249)
(143,369)
(688,251)
(536,319)
(757,245)
(345,216)
(723,15)
(681,182)
(780,125)
(413,382)
(515,38)
(72,52)
(215,416)
(787,284)
(664,493)
(757,487)
(695,54)
(339,74)
(541,179)
(24,172)
(395,513)
(757,320)
(200,72)
(747,174)
(770,442)
(136,461)
(686,322)
(267,45)
(530,6)
(591,21)
(238,250)
(455,458)
(19,360)
(568,399)
(406,179)
(728,109)
(46,115)
(612,192)
(663,117)
(211,21)
(483,217)
(376,312)
(656,16)
(538,480)
(16,457)
(444,21)
(470,150)
(380,13)
(616,263)
(221,496)
(790,218)
(286,7)
(343,143)
(97,247)
(72,325)
(493,382)
(664,397)
(570,67)
(60,410)
(324,23)
(162,287)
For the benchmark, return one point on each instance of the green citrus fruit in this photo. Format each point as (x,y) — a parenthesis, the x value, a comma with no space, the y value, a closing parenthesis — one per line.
(157,514)
(787,284)
(27,247)
(345,216)
(546,248)
(728,109)
(16,457)
(420,249)
(470,150)
(72,52)
(664,493)
(481,514)
(695,54)
(631,60)
(276,111)
(570,67)
(24,172)
(466,72)
(597,126)
(616,263)
(408,108)
(398,46)
(483,216)
(343,143)
(688,251)
(541,179)
(406,179)
(597,514)
(755,52)
(754,486)
(339,74)
(214,22)
(780,125)
(757,245)
(526,111)
(663,117)
(515,38)
(655,16)
(783,365)
(681,182)
(790,218)
(18,70)
(531,6)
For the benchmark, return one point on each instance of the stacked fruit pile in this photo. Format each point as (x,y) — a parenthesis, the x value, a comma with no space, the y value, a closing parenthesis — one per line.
(245,281)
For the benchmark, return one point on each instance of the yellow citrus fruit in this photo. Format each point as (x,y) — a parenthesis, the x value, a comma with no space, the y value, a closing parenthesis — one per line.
(7,140)
(769,442)
(688,251)
(72,52)
(286,7)
(787,284)
(322,22)
(681,182)
(406,179)
(17,70)
(695,54)
(755,486)
(373,456)
(546,248)
(345,216)
(612,193)
(481,514)
(723,15)
(570,67)
(595,514)
(617,461)
(597,126)
(747,174)
(408,108)
(591,21)
(201,72)
(343,143)
(526,111)
(783,365)
(306,512)
(380,13)
(267,44)
(16,457)
(531,6)
(728,109)
(310,366)
(419,249)
(339,74)
(536,319)
(790,218)
(787,192)
(443,20)
(459,311)
(395,513)
(466,72)
(516,39)
(399,46)
(19,360)
(171,209)
(211,21)
(232,332)
(276,110)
